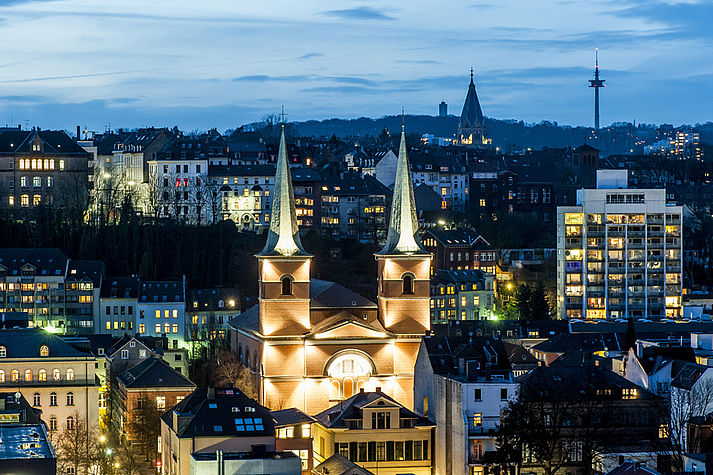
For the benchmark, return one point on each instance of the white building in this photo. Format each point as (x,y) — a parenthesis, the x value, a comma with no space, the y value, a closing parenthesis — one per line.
(463,383)
(117,306)
(162,310)
(619,252)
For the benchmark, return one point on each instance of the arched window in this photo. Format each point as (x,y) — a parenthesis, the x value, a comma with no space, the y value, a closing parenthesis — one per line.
(348,387)
(15,375)
(36,399)
(56,374)
(335,390)
(3,351)
(286,285)
(70,423)
(42,375)
(53,423)
(255,361)
(44,350)
(70,374)
(70,399)
(28,375)
(2,375)
(240,352)
(407,280)
(53,399)
(247,357)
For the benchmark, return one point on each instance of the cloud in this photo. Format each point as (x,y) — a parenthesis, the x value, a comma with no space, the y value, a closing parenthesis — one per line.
(342,90)
(265,78)
(687,19)
(73,76)
(359,13)
(307,56)
(418,61)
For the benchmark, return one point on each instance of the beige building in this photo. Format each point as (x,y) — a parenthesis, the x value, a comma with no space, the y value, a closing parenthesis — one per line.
(619,252)
(377,433)
(51,374)
(313,343)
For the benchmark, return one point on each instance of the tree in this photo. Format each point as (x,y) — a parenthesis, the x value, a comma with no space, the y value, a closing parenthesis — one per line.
(77,446)
(685,404)
(540,308)
(145,426)
(630,337)
(523,297)
(230,372)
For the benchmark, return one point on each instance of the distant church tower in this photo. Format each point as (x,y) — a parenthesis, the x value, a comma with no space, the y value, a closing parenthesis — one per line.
(471,128)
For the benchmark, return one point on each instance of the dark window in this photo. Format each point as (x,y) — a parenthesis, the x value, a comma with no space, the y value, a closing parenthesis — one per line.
(408,284)
(477,395)
(108,310)
(372,451)
(286,286)
(408,449)
(390,450)
(504,393)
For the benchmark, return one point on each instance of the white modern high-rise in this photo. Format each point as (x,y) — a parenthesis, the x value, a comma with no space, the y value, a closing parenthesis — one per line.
(619,252)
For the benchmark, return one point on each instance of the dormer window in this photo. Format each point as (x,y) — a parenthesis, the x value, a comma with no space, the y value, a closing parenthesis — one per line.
(44,350)
(3,351)
(407,281)
(286,285)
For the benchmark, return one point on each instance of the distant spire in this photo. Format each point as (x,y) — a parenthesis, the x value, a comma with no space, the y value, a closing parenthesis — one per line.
(472,114)
(283,236)
(471,74)
(402,237)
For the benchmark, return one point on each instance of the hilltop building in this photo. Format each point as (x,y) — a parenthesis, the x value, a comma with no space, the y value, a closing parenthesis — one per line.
(312,343)
(471,128)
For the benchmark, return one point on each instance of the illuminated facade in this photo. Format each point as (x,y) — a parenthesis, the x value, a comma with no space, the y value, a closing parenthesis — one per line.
(619,252)
(313,343)
(471,127)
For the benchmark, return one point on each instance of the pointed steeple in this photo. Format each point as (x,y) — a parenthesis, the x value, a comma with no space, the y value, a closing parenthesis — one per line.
(402,237)
(283,237)
(472,115)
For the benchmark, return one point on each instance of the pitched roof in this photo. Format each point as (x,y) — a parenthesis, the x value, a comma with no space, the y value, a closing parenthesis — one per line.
(632,468)
(229,413)
(46,261)
(460,276)
(25,438)
(326,294)
(286,417)
(120,287)
(337,415)
(153,373)
(471,115)
(26,342)
(201,300)
(446,352)
(54,142)
(82,270)
(338,464)
(563,343)
(455,237)
(161,291)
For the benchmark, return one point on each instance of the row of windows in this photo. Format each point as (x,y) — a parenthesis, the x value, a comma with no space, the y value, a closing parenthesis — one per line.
(44,351)
(53,424)
(37,399)
(383,451)
(167,328)
(25,200)
(120,325)
(123,310)
(39,164)
(41,375)
(36,182)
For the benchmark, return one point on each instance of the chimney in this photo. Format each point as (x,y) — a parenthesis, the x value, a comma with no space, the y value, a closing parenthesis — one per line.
(378,389)
(79,133)
(361,390)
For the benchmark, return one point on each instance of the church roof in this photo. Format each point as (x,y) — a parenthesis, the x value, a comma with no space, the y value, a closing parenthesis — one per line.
(472,115)
(326,294)
(283,238)
(402,237)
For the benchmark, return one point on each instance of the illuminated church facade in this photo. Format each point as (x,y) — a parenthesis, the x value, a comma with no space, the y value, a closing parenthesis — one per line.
(312,343)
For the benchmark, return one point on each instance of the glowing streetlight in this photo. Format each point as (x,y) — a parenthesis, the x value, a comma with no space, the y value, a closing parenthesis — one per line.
(108,451)
(102,438)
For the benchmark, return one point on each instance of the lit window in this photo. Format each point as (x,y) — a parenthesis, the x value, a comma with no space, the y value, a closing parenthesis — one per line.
(61,164)
(158,313)
(56,374)
(28,375)
(306,432)
(42,375)
(70,374)
(3,351)
(160,402)
(175,328)
(175,313)
(11,201)
(14,375)
(25,201)
(158,328)
(44,350)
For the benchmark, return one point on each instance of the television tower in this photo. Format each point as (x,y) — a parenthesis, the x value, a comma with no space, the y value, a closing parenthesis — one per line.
(596,83)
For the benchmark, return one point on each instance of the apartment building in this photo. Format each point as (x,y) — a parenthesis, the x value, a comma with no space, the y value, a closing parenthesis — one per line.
(619,252)
(51,374)
(117,306)
(461,295)
(463,383)
(57,294)
(162,310)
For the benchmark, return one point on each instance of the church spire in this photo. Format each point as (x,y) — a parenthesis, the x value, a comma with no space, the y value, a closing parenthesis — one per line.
(402,237)
(283,236)
(472,114)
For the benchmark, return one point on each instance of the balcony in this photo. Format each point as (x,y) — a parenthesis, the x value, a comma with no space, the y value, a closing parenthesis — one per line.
(488,426)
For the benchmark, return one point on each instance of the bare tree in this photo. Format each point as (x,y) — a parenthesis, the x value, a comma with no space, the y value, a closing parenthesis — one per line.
(145,426)
(230,372)
(685,404)
(77,446)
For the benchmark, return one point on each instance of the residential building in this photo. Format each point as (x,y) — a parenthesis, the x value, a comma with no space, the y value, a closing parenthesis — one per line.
(244,148)
(295,434)
(456,249)
(353,342)
(462,384)
(117,307)
(154,380)
(377,433)
(619,252)
(257,461)
(26,448)
(210,310)
(207,421)
(447,175)
(162,310)
(354,206)
(57,294)
(51,374)
(493,191)
(42,169)
(462,295)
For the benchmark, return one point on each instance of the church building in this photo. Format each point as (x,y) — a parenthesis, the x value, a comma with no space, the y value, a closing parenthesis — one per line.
(313,343)
(471,127)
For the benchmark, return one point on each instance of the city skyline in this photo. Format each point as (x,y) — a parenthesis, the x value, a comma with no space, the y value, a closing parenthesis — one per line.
(210,65)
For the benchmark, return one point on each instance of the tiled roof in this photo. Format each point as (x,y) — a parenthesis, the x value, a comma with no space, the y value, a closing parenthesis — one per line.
(201,300)
(229,413)
(445,353)
(326,294)
(120,287)
(153,373)
(161,291)
(26,342)
(336,416)
(54,142)
(286,417)
(46,261)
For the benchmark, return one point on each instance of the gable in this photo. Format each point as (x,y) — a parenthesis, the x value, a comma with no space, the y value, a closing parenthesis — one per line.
(349,329)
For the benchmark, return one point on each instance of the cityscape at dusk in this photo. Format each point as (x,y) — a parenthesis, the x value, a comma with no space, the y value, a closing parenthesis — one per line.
(356,238)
